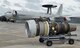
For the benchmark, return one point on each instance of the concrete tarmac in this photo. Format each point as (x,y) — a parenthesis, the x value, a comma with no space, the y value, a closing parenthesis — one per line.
(12,35)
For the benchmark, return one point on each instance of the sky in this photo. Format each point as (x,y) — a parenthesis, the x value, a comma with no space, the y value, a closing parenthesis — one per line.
(70,7)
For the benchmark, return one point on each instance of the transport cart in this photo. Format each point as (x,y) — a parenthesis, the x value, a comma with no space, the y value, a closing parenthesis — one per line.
(62,38)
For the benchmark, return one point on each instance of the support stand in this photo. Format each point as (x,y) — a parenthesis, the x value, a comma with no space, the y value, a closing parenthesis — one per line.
(61,38)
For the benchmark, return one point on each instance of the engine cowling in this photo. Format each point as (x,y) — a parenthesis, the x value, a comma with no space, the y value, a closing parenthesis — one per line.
(37,28)
(45,28)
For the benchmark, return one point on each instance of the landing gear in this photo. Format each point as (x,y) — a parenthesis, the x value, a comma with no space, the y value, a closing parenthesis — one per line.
(41,40)
(49,43)
(71,41)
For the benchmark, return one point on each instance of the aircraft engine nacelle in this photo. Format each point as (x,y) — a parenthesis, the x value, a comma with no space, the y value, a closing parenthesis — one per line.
(44,28)
(11,16)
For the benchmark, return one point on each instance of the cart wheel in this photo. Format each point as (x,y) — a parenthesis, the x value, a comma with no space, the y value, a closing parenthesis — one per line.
(49,43)
(71,41)
(41,40)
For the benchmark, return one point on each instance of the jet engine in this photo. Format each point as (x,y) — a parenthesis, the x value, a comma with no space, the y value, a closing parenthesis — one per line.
(9,16)
(45,28)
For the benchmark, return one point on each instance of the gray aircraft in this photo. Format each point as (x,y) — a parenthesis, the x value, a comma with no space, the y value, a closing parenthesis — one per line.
(13,16)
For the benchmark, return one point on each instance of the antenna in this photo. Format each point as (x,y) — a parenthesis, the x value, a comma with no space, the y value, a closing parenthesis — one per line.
(49,8)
